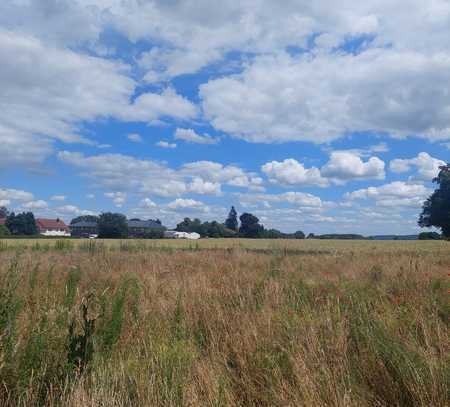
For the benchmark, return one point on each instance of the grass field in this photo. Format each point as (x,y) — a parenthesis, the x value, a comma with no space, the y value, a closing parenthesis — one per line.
(224,323)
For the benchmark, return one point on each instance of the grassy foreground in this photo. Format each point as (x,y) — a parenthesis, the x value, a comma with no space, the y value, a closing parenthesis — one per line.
(224,323)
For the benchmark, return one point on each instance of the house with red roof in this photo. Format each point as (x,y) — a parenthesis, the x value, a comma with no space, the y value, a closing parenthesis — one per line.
(52,227)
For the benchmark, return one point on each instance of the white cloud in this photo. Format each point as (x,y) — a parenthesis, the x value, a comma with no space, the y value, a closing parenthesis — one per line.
(291,172)
(343,166)
(393,194)
(201,187)
(15,195)
(379,148)
(5,202)
(90,196)
(165,144)
(186,204)
(191,136)
(299,199)
(228,174)
(346,165)
(426,166)
(147,203)
(47,92)
(58,198)
(135,138)
(73,210)
(119,198)
(154,178)
(322,97)
(39,204)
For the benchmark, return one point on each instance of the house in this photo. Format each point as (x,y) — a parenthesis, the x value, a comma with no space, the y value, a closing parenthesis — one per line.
(2,221)
(84,229)
(173,234)
(52,227)
(142,228)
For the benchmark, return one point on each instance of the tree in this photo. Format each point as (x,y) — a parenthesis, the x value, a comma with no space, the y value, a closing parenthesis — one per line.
(299,235)
(4,231)
(3,212)
(436,209)
(250,226)
(84,218)
(21,224)
(112,226)
(232,220)
(190,226)
(429,236)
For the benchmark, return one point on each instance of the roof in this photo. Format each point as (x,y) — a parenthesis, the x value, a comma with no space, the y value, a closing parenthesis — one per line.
(84,224)
(144,224)
(2,221)
(50,224)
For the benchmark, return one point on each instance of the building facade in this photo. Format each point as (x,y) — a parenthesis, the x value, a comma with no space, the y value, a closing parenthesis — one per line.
(84,229)
(52,227)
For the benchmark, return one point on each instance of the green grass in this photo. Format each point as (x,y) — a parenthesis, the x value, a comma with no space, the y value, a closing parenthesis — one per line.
(242,323)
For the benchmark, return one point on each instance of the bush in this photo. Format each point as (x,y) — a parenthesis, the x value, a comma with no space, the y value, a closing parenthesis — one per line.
(4,231)
(430,236)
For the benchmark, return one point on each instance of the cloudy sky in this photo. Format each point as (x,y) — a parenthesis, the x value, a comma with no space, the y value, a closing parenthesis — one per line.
(324,116)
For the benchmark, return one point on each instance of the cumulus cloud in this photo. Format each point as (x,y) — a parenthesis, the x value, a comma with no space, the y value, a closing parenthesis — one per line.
(342,166)
(191,136)
(15,195)
(394,194)
(228,174)
(426,166)
(119,198)
(73,210)
(39,204)
(186,204)
(346,165)
(53,90)
(201,187)
(165,144)
(322,97)
(154,178)
(147,203)
(291,172)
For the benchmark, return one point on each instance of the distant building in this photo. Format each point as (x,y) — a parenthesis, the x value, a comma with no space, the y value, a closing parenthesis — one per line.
(173,234)
(84,229)
(2,221)
(52,227)
(141,228)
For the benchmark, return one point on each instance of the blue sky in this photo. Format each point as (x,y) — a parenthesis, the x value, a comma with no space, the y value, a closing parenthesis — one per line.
(326,117)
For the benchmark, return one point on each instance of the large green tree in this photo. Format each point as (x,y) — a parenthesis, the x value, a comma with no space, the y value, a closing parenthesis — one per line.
(250,226)
(84,218)
(21,224)
(436,209)
(112,226)
(232,220)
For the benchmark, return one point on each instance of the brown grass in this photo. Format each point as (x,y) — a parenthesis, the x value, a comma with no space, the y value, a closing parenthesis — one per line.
(287,325)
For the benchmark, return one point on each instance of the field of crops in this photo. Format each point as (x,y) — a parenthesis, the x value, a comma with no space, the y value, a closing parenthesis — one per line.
(224,323)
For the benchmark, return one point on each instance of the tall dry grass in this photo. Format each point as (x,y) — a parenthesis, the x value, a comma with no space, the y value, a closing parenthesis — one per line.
(228,327)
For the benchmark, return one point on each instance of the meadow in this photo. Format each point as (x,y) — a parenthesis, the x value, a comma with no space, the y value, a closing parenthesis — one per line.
(224,323)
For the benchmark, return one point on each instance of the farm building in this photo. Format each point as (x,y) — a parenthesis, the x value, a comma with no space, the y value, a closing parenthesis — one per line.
(173,234)
(52,227)
(2,221)
(84,229)
(141,228)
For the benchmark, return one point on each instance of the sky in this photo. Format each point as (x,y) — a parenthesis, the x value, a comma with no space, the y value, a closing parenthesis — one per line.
(330,116)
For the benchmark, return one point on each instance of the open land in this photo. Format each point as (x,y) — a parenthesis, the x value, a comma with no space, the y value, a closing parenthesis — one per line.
(224,322)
